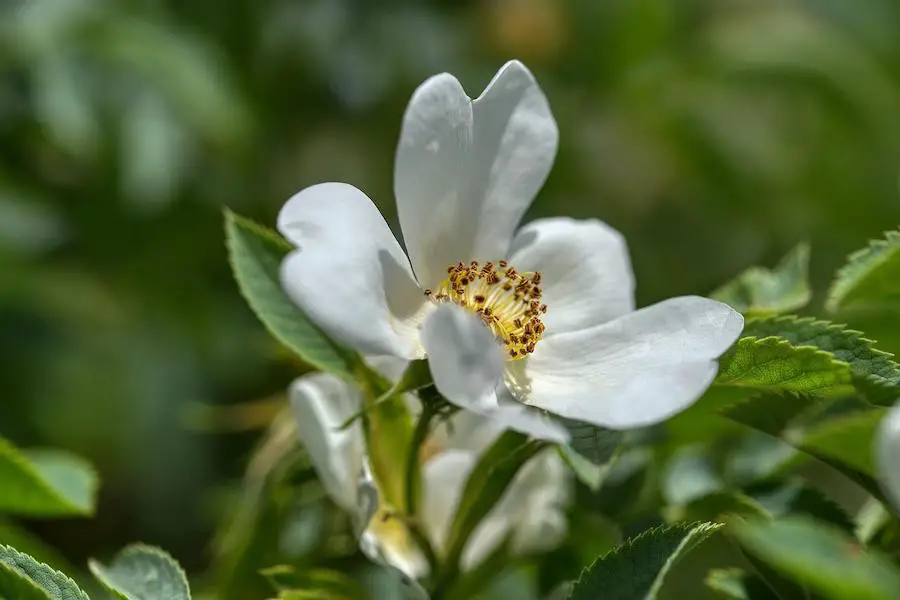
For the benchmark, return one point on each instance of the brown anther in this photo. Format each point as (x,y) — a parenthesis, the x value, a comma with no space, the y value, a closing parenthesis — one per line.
(479,299)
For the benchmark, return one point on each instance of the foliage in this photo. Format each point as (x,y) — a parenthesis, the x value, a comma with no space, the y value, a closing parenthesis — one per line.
(712,135)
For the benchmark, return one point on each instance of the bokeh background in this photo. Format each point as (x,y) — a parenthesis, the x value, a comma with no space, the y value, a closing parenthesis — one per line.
(715,134)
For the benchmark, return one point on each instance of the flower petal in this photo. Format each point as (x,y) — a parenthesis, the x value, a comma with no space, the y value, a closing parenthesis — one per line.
(887,453)
(532,511)
(321,404)
(585,271)
(466,171)
(634,371)
(464,358)
(348,273)
(444,478)
(543,491)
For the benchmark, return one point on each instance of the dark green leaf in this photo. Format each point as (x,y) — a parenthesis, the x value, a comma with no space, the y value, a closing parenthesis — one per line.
(591,452)
(636,569)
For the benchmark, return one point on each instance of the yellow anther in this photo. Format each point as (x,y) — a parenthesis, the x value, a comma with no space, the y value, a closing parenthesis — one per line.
(509,302)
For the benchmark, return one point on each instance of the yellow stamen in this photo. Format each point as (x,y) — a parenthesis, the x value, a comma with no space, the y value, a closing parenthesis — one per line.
(507,301)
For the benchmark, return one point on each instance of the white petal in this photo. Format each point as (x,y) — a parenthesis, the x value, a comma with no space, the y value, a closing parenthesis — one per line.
(887,454)
(465,171)
(322,404)
(348,273)
(464,357)
(443,480)
(585,271)
(532,510)
(544,487)
(634,371)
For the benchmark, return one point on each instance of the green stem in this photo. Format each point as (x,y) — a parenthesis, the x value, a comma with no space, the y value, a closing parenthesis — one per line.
(413,487)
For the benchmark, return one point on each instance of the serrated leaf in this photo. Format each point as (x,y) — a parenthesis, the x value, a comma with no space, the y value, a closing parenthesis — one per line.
(16,586)
(798,498)
(870,278)
(140,572)
(820,557)
(45,483)
(774,364)
(874,371)
(636,569)
(759,291)
(256,254)
(56,585)
(591,452)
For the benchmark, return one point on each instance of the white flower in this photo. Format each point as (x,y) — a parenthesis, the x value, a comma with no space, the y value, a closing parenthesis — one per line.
(531,512)
(887,453)
(557,296)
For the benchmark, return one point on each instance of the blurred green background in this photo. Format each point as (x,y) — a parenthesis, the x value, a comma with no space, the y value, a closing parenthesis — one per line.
(715,134)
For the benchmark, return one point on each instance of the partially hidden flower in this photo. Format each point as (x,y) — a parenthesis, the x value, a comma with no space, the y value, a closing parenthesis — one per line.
(530,515)
(556,297)
(887,455)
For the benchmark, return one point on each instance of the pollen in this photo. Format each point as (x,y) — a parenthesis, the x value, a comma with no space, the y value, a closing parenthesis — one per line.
(508,301)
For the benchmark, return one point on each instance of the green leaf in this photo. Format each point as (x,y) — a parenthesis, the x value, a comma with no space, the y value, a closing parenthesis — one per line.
(871,277)
(591,453)
(760,291)
(874,371)
(820,557)
(140,572)
(45,483)
(774,364)
(56,585)
(16,586)
(313,583)
(737,584)
(847,440)
(797,498)
(256,254)
(840,442)
(636,569)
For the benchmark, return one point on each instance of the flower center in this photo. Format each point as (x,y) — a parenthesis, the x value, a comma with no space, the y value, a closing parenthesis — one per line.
(507,301)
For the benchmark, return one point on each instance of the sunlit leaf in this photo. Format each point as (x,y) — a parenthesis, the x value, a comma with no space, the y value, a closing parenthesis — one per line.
(774,364)
(874,371)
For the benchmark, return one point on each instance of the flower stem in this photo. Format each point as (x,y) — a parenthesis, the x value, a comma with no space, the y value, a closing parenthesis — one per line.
(413,481)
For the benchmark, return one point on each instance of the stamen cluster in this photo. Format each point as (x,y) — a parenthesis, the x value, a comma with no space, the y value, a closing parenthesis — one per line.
(507,301)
